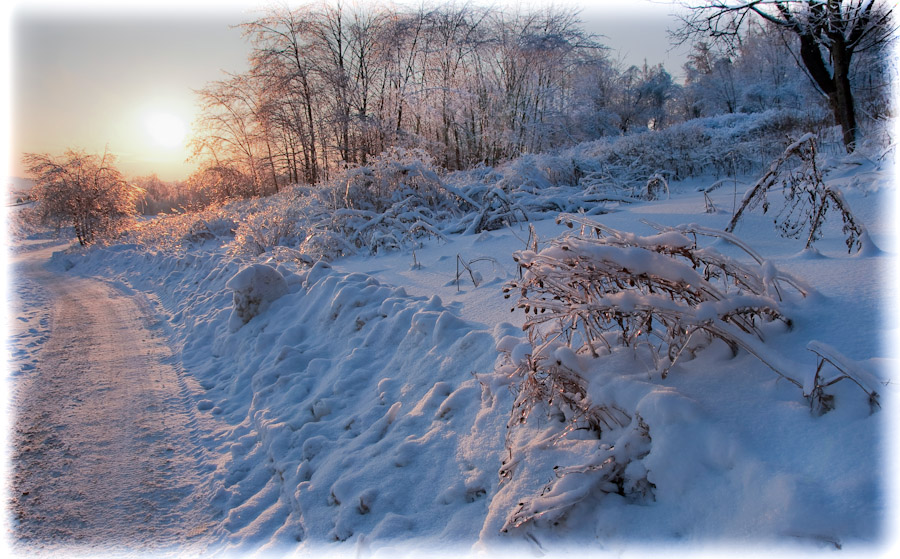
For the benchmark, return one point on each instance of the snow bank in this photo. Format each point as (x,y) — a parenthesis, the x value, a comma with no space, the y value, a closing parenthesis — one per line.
(355,416)
(255,288)
(349,411)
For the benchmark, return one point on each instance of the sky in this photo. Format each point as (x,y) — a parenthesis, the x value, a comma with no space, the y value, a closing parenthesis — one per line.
(98,76)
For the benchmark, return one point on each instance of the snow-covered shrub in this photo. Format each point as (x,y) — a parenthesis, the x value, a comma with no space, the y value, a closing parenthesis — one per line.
(548,372)
(254,288)
(663,292)
(725,145)
(524,188)
(615,468)
(217,227)
(277,225)
(219,183)
(551,378)
(395,175)
(534,172)
(177,231)
(661,295)
(656,184)
(495,209)
(588,177)
(664,295)
(400,225)
(84,191)
(388,204)
(797,174)
(815,382)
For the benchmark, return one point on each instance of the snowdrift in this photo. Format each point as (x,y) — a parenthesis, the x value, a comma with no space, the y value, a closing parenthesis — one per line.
(367,407)
(350,398)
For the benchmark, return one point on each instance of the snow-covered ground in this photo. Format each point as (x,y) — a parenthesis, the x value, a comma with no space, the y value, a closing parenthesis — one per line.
(104,444)
(363,411)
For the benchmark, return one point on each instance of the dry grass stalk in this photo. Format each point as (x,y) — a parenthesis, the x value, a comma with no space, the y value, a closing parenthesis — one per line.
(797,174)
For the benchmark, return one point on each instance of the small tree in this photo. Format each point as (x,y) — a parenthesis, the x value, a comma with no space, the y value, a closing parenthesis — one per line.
(84,190)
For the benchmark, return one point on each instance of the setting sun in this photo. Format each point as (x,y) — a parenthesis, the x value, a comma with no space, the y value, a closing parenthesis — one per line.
(165,129)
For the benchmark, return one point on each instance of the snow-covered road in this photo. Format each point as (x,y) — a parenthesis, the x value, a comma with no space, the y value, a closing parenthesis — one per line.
(105,449)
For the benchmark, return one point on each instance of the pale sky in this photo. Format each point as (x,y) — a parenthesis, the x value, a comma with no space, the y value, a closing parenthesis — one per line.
(93,75)
(90,79)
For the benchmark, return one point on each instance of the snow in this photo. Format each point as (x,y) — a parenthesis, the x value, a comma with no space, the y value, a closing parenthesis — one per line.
(255,288)
(359,407)
(103,445)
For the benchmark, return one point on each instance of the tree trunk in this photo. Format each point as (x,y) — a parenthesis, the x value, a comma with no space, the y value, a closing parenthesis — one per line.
(842,97)
(835,83)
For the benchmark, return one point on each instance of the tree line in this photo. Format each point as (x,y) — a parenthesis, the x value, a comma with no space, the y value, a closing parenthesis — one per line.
(331,86)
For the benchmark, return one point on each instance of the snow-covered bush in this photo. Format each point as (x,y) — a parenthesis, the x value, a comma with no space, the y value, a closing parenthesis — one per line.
(666,298)
(664,295)
(254,288)
(204,229)
(535,172)
(656,184)
(662,292)
(551,377)
(524,188)
(589,176)
(797,174)
(726,145)
(178,231)
(279,225)
(84,191)
(494,209)
(394,175)
(388,204)
(615,468)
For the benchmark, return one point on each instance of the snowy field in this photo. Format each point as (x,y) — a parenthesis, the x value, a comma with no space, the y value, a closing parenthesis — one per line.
(362,407)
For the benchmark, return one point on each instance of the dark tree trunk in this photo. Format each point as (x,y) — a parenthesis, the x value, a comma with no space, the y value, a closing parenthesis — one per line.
(842,105)
(842,100)
(835,83)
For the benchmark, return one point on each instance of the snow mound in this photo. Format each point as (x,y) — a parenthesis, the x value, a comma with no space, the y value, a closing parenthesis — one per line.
(254,287)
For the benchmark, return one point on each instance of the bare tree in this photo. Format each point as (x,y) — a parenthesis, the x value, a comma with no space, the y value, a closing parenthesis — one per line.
(640,98)
(456,33)
(280,60)
(365,75)
(83,190)
(830,32)
(232,130)
(712,78)
(335,84)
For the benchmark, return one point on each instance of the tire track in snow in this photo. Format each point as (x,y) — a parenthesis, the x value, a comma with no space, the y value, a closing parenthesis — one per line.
(102,451)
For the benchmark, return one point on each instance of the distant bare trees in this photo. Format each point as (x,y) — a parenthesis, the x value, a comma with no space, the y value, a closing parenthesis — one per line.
(331,86)
(82,190)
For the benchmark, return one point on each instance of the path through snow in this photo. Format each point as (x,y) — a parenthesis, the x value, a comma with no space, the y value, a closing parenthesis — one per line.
(104,451)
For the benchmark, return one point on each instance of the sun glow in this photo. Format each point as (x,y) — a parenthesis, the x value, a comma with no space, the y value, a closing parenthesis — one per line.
(165,129)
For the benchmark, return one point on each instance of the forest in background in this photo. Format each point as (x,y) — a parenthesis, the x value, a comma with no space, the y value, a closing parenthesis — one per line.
(331,87)
(334,91)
